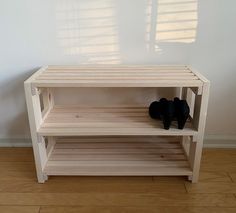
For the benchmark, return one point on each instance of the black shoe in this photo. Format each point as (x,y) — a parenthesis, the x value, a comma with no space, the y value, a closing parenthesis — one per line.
(167,112)
(181,112)
(155,110)
(163,110)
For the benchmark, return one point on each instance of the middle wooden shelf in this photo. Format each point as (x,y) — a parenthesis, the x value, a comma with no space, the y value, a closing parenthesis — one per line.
(117,120)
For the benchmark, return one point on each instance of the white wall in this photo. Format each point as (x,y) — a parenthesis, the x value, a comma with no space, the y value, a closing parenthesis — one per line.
(34,33)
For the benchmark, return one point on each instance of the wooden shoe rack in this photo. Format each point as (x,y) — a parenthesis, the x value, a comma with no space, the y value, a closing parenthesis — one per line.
(71,139)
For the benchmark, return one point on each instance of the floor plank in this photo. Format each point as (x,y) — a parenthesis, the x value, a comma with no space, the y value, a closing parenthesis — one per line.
(213,187)
(54,186)
(97,209)
(18,175)
(194,209)
(19,209)
(17,166)
(232,176)
(105,209)
(214,176)
(117,199)
(205,176)
(16,154)
(221,160)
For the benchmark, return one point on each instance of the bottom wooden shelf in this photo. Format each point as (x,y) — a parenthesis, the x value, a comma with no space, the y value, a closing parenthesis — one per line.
(119,156)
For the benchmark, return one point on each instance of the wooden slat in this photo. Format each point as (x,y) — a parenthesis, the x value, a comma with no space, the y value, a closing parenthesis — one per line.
(117,76)
(117,83)
(112,78)
(120,157)
(117,145)
(119,67)
(72,121)
(199,75)
(121,131)
(118,151)
(117,171)
(112,165)
(114,72)
(119,139)
(36,74)
(117,73)
(117,158)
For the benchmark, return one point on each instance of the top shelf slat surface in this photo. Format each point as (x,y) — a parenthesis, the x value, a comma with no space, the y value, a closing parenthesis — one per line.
(116,76)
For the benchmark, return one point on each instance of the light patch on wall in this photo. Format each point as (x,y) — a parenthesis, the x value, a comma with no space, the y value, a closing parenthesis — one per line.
(171,21)
(87,29)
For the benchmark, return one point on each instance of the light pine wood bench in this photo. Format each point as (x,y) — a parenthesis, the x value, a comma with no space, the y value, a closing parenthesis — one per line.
(117,140)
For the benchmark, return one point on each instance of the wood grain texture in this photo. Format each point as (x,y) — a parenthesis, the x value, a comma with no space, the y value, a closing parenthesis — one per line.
(35,119)
(55,186)
(19,209)
(87,121)
(158,209)
(220,160)
(98,209)
(20,192)
(213,187)
(17,174)
(211,176)
(16,155)
(117,76)
(232,176)
(118,199)
(119,156)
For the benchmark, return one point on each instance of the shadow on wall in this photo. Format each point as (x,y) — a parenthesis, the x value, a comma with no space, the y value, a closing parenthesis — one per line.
(105,31)
(172,21)
(88,29)
(13,107)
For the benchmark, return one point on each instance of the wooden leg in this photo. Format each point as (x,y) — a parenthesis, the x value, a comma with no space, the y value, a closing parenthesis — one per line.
(35,119)
(199,121)
(195,153)
(40,158)
(189,150)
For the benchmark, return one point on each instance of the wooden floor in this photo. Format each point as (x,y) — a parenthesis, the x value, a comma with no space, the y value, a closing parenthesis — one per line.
(19,191)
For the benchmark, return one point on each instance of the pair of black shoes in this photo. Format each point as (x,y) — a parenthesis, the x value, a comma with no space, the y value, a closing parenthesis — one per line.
(168,110)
